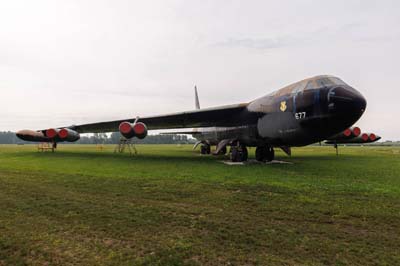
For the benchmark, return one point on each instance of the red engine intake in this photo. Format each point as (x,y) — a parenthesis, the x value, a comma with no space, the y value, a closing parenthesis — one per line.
(129,130)
(52,133)
(364,137)
(372,137)
(69,135)
(356,131)
(349,133)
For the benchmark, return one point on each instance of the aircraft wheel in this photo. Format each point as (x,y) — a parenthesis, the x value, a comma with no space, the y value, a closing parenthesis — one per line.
(205,149)
(270,155)
(239,154)
(261,153)
(234,154)
(223,151)
(244,155)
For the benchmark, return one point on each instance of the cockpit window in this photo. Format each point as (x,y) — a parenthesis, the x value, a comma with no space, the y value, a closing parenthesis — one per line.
(324,82)
(310,85)
(299,87)
(337,81)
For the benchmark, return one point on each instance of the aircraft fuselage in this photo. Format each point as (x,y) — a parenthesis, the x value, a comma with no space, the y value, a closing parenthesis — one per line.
(300,114)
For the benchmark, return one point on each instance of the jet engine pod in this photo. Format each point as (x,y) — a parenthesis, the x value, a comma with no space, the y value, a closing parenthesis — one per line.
(351,133)
(52,133)
(126,130)
(129,130)
(347,133)
(372,137)
(356,131)
(364,137)
(30,135)
(69,135)
(140,130)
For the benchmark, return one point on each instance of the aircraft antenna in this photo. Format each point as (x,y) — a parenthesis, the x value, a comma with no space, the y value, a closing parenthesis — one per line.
(196,96)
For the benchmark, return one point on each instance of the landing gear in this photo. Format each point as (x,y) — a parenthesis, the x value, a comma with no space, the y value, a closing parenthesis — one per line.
(239,153)
(265,154)
(205,149)
(336,148)
(223,151)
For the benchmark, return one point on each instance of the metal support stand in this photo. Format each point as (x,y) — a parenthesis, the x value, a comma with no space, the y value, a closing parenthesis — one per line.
(337,149)
(47,146)
(100,147)
(126,143)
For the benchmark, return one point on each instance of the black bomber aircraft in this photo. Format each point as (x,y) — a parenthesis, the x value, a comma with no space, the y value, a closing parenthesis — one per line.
(309,111)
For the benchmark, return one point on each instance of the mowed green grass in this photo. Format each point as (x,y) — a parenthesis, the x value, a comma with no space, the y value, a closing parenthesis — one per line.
(171,206)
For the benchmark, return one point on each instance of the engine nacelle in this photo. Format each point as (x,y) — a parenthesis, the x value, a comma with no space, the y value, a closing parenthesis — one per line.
(372,137)
(69,135)
(52,133)
(30,135)
(356,131)
(349,133)
(364,137)
(129,130)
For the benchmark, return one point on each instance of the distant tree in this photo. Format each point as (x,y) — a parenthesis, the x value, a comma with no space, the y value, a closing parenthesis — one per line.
(8,138)
(113,138)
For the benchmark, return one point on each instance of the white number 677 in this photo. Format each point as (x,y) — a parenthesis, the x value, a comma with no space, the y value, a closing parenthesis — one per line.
(300,115)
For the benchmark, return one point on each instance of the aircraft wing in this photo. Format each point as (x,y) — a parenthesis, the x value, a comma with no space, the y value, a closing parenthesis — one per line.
(209,117)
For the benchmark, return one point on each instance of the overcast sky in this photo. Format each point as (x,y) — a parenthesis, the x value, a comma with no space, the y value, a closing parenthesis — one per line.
(73,62)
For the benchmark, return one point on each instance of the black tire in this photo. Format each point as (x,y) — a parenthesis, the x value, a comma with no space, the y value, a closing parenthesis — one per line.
(270,155)
(223,151)
(203,150)
(234,154)
(244,154)
(208,149)
(261,154)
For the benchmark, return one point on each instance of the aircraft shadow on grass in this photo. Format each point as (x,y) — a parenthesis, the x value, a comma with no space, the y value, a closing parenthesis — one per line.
(181,156)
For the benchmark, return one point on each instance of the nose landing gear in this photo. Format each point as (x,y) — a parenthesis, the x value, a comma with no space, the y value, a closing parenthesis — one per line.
(265,154)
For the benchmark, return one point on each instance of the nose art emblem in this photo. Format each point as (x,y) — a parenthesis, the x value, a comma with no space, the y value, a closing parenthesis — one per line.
(283,106)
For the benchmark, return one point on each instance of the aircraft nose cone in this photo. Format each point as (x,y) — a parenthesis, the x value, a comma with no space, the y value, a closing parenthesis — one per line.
(347,101)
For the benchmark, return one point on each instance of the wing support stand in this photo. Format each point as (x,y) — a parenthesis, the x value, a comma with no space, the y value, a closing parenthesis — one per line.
(336,148)
(124,144)
(46,146)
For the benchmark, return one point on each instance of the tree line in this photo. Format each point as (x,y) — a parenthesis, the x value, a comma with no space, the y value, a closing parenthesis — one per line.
(113,138)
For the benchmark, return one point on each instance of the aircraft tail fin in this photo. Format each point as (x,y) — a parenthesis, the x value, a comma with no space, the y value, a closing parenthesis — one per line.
(196,100)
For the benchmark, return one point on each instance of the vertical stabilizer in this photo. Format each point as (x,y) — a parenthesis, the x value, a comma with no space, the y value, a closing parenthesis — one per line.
(197,102)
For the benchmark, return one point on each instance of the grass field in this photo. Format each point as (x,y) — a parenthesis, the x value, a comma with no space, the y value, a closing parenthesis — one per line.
(170,206)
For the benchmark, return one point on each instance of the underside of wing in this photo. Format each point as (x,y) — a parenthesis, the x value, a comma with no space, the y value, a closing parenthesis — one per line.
(221,116)
(180,132)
